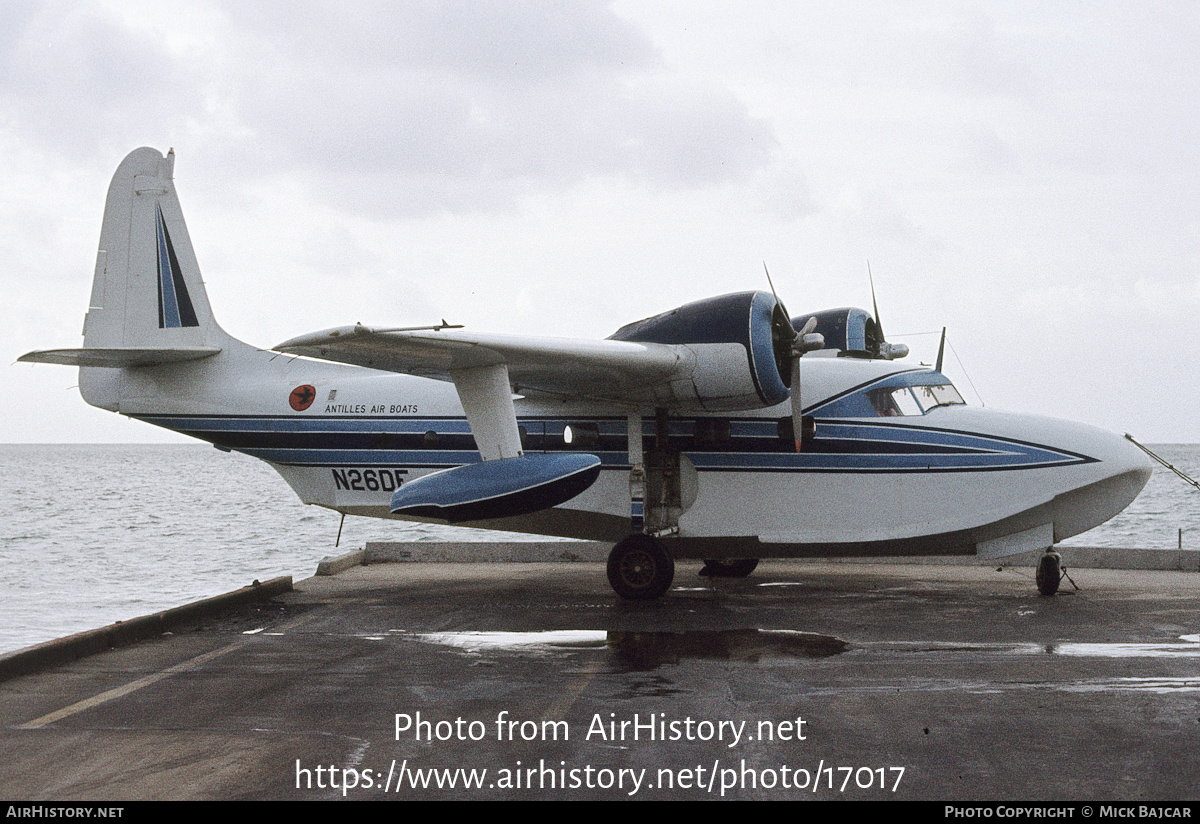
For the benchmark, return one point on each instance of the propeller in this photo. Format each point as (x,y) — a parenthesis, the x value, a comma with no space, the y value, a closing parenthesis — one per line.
(887,351)
(806,340)
(790,346)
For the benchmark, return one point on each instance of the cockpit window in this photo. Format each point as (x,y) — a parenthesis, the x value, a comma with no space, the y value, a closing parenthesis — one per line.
(938,394)
(912,400)
(893,401)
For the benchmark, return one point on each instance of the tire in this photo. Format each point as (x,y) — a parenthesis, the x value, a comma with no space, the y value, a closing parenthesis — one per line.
(737,568)
(1049,573)
(640,568)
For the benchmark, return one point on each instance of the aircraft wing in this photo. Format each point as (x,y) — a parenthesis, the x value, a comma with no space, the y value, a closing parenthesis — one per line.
(623,372)
(719,354)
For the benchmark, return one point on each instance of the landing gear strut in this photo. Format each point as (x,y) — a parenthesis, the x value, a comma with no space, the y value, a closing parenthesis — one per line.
(737,568)
(1049,572)
(640,568)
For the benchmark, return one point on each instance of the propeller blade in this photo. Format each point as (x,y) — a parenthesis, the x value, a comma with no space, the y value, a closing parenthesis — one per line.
(875,304)
(797,404)
(781,325)
(805,341)
(798,342)
(885,350)
(769,283)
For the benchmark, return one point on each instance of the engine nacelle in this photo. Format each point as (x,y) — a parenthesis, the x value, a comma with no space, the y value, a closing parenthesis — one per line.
(853,332)
(739,347)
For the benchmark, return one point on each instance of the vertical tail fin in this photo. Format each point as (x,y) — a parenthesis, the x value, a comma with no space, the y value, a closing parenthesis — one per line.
(148,305)
(147,292)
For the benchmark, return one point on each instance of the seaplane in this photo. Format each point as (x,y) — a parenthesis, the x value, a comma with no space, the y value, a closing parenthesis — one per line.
(725,430)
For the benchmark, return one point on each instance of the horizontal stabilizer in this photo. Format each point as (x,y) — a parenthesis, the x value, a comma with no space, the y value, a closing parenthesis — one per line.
(119,356)
(497,489)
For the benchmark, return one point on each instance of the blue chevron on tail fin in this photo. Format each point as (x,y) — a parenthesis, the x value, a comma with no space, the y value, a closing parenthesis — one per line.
(174,303)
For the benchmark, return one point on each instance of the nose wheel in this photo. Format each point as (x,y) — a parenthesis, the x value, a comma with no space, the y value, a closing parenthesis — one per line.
(1049,572)
(640,568)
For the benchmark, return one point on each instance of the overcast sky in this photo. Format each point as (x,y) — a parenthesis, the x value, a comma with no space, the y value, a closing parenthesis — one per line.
(1027,175)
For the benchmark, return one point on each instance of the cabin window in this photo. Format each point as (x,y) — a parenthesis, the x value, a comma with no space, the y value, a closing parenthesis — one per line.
(581,435)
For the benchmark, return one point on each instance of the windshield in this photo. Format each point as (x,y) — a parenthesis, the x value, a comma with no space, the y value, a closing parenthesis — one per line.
(938,394)
(912,400)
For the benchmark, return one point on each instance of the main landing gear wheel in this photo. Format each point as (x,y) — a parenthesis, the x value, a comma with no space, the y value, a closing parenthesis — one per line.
(640,568)
(1049,572)
(737,568)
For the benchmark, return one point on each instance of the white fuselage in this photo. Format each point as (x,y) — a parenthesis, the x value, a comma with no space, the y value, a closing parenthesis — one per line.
(951,479)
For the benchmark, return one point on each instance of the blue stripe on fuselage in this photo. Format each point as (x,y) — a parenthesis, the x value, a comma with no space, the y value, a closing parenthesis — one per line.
(841,446)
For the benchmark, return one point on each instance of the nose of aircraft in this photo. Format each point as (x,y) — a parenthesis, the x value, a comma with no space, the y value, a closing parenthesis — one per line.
(1125,458)
(1137,460)
(1120,470)
(1090,474)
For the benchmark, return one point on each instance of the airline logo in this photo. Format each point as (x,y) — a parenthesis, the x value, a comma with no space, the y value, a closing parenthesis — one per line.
(174,304)
(302,397)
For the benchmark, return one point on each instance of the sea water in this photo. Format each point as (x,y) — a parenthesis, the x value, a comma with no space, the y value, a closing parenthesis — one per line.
(92,534)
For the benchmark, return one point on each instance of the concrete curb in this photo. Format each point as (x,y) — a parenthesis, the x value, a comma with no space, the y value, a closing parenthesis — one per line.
(333,564)
(1099,557)
(1074,557)
(1085,557)
(482,552)
(123,633)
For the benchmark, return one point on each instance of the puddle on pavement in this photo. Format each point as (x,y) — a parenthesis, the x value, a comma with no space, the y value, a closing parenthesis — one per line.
(533,641)
(1162,686)
(1183,650)
(646,650)
(1187,647)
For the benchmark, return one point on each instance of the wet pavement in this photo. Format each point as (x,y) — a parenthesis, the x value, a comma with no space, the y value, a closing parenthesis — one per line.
(484,681)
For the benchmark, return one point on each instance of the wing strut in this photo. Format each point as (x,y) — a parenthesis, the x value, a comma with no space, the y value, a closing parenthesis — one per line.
(486,395)
(507,483)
